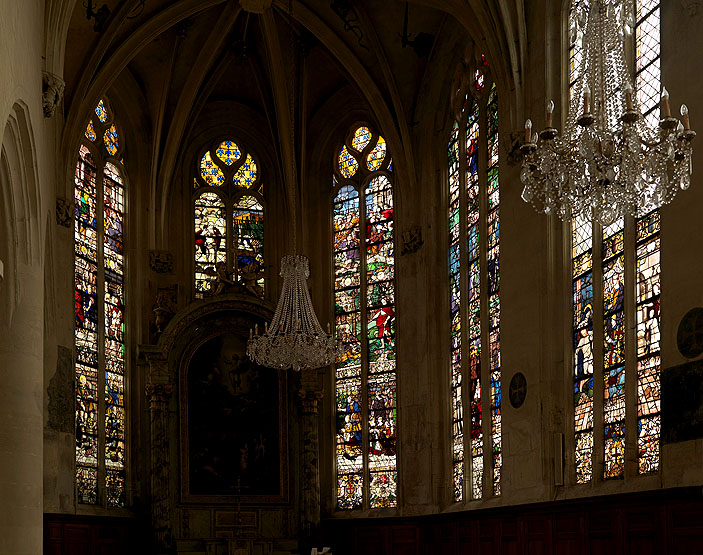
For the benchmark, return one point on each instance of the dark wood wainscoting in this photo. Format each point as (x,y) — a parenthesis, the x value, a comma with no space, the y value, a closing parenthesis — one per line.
(83,535)
(666,522)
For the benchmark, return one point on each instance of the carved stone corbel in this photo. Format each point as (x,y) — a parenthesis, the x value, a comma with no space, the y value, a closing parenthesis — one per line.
(64,212)
(52,91)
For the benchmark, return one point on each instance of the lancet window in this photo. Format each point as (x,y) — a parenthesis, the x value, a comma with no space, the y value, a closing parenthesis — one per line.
(364,306)
(228,222)
(99,307)
(474,303)
(615,275)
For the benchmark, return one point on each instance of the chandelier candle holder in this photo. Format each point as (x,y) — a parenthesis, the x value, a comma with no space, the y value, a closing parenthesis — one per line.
(295,338)
(609,162)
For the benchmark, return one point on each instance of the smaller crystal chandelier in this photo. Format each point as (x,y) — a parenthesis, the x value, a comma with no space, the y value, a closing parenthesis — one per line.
(608,162)
(295,338)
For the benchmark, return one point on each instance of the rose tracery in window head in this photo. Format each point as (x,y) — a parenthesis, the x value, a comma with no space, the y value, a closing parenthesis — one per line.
(231,166)
(366,150)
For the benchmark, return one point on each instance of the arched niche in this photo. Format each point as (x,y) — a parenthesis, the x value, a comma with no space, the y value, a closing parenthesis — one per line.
(232,429)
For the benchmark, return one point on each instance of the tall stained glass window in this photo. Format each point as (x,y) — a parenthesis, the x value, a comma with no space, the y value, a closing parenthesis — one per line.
(364,305)
(99,309)
(474,274)
(608,304)
(228,223)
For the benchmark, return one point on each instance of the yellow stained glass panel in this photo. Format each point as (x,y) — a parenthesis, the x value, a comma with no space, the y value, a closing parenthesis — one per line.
(362,137)
(210,172)
(247,174)
(377,155)
(90,131)
(101,111)
(111,139)
(228,152)
(348,165)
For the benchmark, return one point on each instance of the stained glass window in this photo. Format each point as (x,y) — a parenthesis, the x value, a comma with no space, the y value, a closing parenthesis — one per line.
(364,298)
(90,131)
(648,342)
(474,303)
(246,175)
(210,172)
(111,139)
(99,309)
(228,152)
(627,239)
(582,281)
(210,239)
(228,222)
(248,235)
(613,267)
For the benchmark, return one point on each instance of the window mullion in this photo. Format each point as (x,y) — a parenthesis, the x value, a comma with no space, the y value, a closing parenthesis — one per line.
(598,354)
(100,294)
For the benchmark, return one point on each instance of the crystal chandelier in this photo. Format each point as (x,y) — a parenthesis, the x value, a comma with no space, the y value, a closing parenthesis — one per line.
(295,338)
(608,162)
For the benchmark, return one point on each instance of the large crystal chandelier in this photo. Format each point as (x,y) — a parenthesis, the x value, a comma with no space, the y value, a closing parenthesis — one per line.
(295,338)
(608,162)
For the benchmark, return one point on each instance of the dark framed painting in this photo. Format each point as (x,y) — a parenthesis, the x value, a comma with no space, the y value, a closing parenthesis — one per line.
(233,423)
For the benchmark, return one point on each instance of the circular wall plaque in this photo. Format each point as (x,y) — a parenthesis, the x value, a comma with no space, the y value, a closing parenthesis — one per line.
(689,338)
(518,390)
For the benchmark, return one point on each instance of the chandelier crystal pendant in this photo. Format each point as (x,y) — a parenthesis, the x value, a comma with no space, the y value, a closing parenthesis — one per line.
(295,338)
(608,162)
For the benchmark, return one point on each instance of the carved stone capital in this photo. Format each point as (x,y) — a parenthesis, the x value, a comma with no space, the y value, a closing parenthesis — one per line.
(158,365)
(159,394)
(255,6)
(52,91)
(309,400)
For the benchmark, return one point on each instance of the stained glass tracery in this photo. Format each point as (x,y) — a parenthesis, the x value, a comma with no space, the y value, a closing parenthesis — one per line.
(228,152)
(99,309)
(229,223)
(364,294)
(474,273)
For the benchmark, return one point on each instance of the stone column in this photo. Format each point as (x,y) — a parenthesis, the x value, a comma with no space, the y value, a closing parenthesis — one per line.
(159,395)
(310,395)
(21,447)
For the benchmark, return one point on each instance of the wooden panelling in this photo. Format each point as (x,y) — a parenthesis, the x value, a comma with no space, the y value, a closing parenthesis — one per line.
(76,535)
(668,522)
